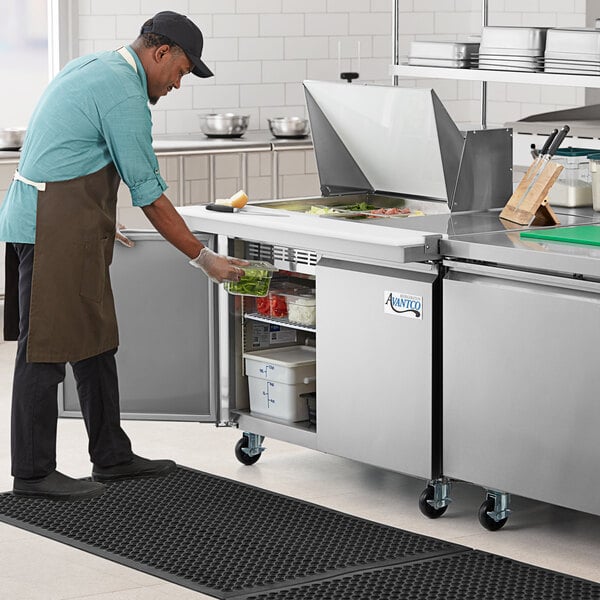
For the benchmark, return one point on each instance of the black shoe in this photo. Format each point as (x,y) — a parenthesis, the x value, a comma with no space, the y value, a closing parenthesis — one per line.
(136,467)
(57,486)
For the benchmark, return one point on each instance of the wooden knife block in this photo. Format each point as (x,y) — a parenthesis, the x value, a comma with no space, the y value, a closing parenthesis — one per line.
(530,206)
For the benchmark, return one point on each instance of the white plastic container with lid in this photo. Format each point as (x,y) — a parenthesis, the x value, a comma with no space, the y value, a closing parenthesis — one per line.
(573,186)
(277,378)
(302,309)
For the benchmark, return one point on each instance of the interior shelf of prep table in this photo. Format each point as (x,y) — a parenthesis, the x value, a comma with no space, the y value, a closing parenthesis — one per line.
(279,321)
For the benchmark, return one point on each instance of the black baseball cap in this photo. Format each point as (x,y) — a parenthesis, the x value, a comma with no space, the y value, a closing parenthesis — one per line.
(183,32)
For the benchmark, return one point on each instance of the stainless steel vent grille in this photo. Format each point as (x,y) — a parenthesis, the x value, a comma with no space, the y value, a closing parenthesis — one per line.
(292,259)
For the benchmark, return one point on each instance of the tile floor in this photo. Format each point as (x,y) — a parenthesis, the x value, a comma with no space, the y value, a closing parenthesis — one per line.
(35,568)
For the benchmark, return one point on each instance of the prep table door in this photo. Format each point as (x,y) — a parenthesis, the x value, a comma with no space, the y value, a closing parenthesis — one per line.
(376,368)
(165,311)
(521,384)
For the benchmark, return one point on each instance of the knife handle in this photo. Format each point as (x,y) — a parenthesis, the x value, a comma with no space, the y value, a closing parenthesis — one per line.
(220,208)
(548,142)
(558,140)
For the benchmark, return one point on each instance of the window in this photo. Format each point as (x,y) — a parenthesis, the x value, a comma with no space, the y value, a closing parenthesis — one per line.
(23,59)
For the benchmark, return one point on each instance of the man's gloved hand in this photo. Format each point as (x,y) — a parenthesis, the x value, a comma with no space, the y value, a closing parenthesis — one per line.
(219,268)
(123,238)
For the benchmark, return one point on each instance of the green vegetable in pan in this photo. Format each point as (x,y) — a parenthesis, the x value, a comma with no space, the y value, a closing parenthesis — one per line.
(360,206)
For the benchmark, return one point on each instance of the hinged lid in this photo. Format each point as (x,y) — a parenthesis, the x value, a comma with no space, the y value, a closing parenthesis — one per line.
(389,140)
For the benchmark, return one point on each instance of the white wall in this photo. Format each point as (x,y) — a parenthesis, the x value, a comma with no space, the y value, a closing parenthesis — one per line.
(259,50)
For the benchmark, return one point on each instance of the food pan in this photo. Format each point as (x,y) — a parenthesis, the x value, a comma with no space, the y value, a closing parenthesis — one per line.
(442,62)
(572,68)
(580,44)
(527,41)
(443,50)
(510,63)
(457,55)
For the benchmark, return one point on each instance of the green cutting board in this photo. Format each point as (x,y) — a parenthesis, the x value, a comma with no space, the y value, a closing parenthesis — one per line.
(582,234)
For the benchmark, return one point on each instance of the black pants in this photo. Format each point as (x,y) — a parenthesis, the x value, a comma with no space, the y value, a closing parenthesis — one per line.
(35,406)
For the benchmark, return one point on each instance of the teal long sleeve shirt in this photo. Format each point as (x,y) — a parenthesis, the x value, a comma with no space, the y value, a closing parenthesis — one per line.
(94,112)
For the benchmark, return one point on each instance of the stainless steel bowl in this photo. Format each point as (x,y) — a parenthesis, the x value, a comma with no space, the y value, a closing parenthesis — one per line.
(12,138)
(224,125)
(289,127)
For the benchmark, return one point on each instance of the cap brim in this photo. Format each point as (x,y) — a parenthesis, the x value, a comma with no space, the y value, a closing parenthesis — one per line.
(200,69)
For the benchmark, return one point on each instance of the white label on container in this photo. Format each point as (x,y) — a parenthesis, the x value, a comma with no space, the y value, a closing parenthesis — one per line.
(403,305)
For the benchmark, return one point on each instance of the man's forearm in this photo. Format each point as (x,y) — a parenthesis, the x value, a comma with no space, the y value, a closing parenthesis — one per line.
(169,223)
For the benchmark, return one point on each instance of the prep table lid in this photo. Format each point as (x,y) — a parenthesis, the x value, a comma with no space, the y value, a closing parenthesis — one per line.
(389,140)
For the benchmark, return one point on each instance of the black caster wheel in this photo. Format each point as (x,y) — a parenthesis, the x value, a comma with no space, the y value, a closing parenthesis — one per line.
(241,455)
(487,521)
(426,508)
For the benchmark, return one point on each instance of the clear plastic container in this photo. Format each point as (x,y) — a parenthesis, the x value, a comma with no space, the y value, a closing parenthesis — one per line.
(275,303)
(255,281)
(302,309)
(573,186)
(595,174)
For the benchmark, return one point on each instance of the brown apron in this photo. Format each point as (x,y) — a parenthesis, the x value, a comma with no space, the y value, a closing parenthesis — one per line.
(72,313)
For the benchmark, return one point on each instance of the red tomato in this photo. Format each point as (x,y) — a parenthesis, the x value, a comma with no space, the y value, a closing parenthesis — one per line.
(278,306)
(263,306)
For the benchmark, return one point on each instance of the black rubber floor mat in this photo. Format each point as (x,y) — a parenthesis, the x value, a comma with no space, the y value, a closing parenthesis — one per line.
(466,576)
(218,536)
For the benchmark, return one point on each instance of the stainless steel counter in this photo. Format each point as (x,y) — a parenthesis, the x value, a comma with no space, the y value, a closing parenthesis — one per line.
(507,248)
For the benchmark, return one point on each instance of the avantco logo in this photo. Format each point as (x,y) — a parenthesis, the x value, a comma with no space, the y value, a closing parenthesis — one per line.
(403,305)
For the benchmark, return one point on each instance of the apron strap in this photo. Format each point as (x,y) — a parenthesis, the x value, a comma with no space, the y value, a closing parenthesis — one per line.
(41,187)
(127,56)
(11,294)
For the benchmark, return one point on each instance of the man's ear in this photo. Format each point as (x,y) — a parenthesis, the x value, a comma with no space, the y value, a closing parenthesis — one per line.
(161,52)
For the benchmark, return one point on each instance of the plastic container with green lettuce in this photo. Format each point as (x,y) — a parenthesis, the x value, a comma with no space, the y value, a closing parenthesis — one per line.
(255,281)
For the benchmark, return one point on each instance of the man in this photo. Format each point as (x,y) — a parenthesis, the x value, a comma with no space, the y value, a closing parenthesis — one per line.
(91,128)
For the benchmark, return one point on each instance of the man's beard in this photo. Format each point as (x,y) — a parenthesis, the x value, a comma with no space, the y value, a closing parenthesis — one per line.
(153,100)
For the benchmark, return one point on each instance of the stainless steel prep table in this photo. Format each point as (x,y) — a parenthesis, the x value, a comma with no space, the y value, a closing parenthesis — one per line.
(520,373)
(392,421)
(378,370)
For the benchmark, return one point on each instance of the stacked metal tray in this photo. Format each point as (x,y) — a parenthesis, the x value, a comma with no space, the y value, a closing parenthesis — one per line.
(457,55)
(512,48)
(574,51)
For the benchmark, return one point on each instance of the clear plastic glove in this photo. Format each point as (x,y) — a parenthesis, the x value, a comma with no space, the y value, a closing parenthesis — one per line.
(219,268)
(123,238)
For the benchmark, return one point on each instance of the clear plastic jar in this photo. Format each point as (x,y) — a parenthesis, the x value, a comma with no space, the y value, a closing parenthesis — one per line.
(595,174)
(573,186)
(302,309)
